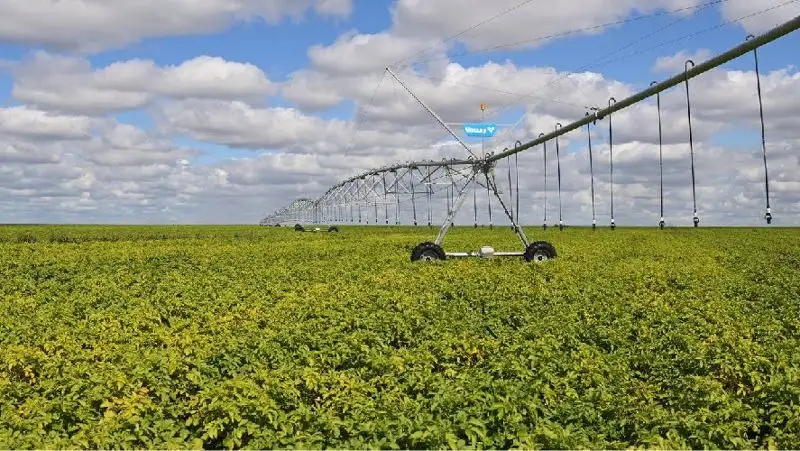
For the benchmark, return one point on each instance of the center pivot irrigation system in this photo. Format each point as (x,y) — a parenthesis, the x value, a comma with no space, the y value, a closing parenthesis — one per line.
(352,198)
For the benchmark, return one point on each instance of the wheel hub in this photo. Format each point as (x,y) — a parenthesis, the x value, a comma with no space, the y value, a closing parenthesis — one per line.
(541,256)
(428,256)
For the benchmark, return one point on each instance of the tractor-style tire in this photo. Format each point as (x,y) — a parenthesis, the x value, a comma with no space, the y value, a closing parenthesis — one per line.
(540,251)
(428,251)
(333,229)
(299,228)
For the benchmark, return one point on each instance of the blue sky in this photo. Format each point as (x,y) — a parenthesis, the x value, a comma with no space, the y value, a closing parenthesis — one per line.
(282,50)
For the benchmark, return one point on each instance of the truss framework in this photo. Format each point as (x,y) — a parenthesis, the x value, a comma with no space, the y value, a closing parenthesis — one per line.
(370,197)
(361,198)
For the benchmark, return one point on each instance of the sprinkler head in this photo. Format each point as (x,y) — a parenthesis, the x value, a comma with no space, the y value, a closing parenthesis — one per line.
(696,221)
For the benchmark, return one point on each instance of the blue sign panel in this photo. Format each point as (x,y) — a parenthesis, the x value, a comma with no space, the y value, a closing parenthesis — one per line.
(480,130)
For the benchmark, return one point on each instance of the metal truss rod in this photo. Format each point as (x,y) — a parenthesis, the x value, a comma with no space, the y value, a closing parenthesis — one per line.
(432,113)
(451,214)
(520,233)
(742,49)
(409,165)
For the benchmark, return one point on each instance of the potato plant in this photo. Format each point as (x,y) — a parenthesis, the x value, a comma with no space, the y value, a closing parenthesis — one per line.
(261,337)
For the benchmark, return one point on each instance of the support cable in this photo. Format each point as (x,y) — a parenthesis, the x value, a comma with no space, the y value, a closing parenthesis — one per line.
(599,62)
(397,201)
(475,204)
(453,199)
(467,30)
(695,219)
(489,200)
(447,198)
(602,61)
(566,33)
(490,182)
(768,214)
(558,167)
(364,113)
(385,201)
(516,172)
(544,144)
(413,198)
(731,54)
(459,201)
(698,33)
(769,36)
(611,158)
(661,222)
(375,198)
(519,95)
(432,113)
(510,189)
(428,195)
(591,174)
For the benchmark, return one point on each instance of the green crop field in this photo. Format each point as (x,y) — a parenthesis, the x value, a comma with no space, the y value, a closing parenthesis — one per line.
(262,337)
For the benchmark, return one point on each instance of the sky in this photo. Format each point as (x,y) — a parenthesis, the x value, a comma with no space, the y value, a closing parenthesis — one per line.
(222,111)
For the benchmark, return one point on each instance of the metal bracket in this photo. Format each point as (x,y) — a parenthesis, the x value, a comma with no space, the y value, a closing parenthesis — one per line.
(456,206)
(517,229)
(486,168)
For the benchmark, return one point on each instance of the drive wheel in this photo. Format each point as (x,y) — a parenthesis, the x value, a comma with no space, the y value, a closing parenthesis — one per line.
(540,251)
(428,251)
